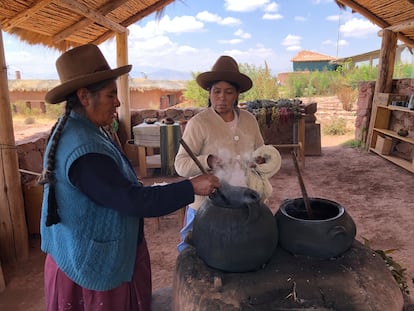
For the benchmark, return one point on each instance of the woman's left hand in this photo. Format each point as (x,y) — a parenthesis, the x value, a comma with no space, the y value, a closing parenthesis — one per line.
(257,160)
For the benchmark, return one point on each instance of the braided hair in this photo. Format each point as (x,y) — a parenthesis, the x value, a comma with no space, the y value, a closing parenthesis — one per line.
(48,176)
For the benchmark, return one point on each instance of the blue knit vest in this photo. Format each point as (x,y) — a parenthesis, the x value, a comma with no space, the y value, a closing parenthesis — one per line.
(93,245)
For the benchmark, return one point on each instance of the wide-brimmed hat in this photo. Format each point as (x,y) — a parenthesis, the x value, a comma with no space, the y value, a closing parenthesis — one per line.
(225,69)
(80,67)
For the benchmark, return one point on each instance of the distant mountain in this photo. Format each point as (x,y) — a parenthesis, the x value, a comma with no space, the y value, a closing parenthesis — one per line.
(162,74)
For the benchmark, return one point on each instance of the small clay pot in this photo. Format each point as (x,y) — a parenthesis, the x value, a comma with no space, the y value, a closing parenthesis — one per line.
(150,120)
(403,132)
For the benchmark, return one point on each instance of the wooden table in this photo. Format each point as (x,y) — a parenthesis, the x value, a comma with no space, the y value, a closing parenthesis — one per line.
(153,138)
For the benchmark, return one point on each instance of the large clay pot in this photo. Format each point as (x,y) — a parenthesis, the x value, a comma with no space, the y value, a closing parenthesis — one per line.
(330,233)
(235,236)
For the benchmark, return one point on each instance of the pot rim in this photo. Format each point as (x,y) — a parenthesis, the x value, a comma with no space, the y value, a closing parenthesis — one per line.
(284,204)
(254,197)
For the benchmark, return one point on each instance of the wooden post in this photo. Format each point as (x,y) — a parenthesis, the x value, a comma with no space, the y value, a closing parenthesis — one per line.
(385,73)
(123,89)
(2,281)
(14,240)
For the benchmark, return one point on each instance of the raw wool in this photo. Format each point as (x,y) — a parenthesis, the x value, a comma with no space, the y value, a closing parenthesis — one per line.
(258,176)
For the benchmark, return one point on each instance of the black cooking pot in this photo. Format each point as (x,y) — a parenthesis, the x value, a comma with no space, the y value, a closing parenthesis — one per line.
(330,233)
(237,233)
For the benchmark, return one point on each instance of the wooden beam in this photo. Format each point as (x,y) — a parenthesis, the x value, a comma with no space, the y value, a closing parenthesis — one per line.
(151,9)
(383,83)
(374,19)
(158,6)
(14,238)
(25,15)
(124,112)
(364,12)
(100,19)
(399,27)
(84,22)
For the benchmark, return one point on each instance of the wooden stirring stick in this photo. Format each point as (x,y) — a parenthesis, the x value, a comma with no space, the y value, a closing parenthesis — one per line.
(302,187)
(200,166)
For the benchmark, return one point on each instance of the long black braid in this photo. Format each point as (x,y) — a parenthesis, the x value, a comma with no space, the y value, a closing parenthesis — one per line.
(48,175)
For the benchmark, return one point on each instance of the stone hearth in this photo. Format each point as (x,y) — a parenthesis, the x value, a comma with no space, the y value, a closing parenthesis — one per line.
(357,280)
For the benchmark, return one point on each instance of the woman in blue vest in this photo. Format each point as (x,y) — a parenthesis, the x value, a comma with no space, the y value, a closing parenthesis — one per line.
(93,203)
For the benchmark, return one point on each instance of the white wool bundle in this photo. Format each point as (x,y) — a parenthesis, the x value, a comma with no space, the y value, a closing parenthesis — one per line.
(258,176)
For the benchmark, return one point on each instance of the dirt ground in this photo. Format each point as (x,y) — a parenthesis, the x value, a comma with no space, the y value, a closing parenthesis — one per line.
(375,192)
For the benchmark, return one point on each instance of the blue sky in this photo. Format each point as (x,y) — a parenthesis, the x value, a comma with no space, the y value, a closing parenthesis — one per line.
(192,34)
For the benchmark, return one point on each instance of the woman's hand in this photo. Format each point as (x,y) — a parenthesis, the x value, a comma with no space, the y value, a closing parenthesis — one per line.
(258,160)
(205,184)
(214,162)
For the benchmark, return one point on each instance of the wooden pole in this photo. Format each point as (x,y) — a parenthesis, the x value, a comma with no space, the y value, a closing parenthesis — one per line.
(14,240)
(384,74)
(123,89)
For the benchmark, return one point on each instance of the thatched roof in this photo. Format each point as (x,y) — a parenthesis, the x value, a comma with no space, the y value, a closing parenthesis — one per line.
(31,85)
(142,85)
(63,24)
(395,15)
(135,84)
(67,23)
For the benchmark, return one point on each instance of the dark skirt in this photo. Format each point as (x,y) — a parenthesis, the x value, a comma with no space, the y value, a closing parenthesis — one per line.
(61,293)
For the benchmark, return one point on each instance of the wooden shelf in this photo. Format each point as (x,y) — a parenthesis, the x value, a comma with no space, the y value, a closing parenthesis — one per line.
(381,119)
(398,108)
(395,135)
(396,160)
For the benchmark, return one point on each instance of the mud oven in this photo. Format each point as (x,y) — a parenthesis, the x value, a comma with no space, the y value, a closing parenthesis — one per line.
(245,258)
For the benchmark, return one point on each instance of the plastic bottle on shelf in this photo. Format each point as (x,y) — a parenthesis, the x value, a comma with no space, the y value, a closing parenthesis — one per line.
(411,102)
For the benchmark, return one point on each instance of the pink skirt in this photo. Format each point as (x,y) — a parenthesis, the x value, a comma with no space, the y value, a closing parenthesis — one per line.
(61,293)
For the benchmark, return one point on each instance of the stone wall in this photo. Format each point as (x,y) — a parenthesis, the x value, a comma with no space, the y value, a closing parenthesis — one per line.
(364,106)
(30,150)
(281,134)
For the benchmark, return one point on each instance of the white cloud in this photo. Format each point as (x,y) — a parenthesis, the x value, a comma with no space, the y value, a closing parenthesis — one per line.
(358,28)
(272,7)
(185,49)
(232,41)
(294,48)
(333,18)
(206,16)
(244,5)
(244,35)
(335,43)
(268,16)
(300,19)
(179,24)
(343,43)
(230,21)
(291,40)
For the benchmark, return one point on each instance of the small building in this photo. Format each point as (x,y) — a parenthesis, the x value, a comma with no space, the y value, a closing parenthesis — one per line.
(144,93)
(312,61)
(155,94)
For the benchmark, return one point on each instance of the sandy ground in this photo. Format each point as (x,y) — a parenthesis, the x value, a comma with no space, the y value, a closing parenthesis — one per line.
(374,192)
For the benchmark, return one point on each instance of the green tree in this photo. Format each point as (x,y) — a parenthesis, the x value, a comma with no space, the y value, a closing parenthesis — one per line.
(195,93)
(264,83)
(264,86)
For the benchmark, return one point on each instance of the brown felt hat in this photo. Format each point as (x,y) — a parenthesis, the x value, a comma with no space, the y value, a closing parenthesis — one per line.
(225,69)
(80,67)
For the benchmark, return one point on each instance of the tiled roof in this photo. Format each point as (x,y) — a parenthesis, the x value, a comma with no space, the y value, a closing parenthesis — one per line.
(309,56)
